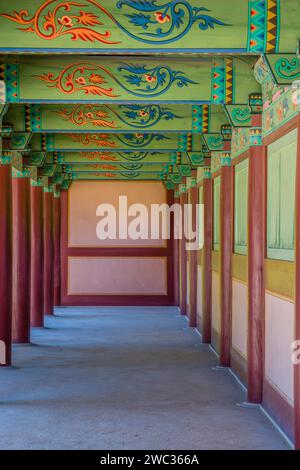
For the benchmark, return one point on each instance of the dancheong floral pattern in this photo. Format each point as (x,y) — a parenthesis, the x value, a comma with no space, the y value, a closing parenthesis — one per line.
(147,21)
(136,79)
(138,116)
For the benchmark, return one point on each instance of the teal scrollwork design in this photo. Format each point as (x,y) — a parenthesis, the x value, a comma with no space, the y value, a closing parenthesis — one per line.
(196,158)
(165,23)
(140,140)
(152,81)
(19,140)
(241,115)
(288,69)
(215,142)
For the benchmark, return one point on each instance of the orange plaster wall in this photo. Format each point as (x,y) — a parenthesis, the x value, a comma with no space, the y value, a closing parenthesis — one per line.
(85,197)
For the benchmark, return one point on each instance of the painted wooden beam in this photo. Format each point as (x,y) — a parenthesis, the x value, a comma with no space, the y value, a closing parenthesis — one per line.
(112,26)
(21,258)
(37,256)
(5,264)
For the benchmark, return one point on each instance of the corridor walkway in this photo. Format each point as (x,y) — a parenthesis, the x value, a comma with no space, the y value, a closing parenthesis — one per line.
(125,378)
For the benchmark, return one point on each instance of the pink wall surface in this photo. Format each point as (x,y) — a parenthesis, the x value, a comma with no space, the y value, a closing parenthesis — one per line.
(117,276)
(279,335)
(199,298)
(239,317)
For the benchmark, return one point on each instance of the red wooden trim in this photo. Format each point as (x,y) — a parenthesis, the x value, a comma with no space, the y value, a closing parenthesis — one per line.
(282,131)
(243,156)
(176,265)
(183,260)
(48,254)
(215,174)
(193,262)
(57,261)
(206,260)
(37,257)
(256,241)
(280,410)
(112,300)
(5,261)
(21,259)
(297,294)
(225,263)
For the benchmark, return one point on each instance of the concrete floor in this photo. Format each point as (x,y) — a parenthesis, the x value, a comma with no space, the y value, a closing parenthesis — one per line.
(124,378)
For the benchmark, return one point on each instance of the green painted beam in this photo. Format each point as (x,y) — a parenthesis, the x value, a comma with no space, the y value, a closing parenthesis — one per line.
(202,80)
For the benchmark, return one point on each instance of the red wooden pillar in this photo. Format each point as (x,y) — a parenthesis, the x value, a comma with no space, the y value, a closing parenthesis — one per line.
(183,255)
(193,256)
(256,209)
(206,258)
(297,296)
(57,226)
(225,260)
(37,256)
(176,260)
(5,264)
(48,253)
(21,256)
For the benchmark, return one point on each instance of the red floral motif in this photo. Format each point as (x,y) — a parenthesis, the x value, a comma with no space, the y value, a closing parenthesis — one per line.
(101,140)
(82,115)
(101,156)
(80,81)
(143,113)
(50,24)
(95,78)
(66,21)
(162,18)
(150,78)
(71,80)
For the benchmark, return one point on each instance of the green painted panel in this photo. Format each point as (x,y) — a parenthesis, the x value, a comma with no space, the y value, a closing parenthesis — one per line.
(126,24)
(241,207)
(114,157)
(281,197)
(109,79)
(121,118)
(124,142)
(134,175)
(116,167)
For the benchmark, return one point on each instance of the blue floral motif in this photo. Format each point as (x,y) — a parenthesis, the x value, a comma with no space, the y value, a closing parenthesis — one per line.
(140,140)
(144,116)
(132,166)
(152,81)
(131,174)
(136,156)
(162,24)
